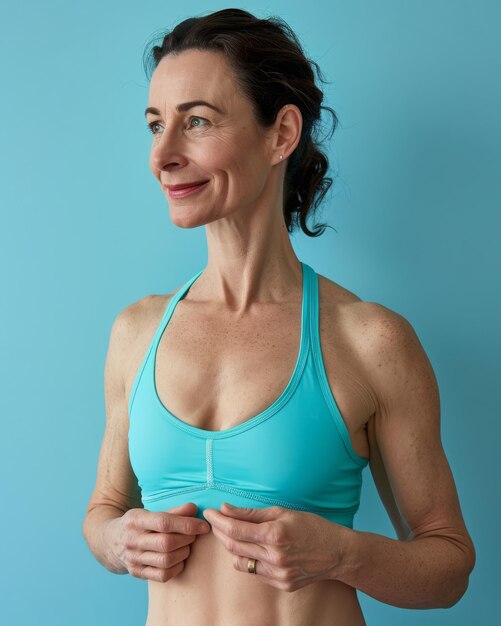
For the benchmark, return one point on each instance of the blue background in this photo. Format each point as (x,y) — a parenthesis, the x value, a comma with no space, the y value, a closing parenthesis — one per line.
(85,231)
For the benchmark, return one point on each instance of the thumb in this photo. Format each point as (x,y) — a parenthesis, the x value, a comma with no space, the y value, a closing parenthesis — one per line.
(252,515)
(188,508)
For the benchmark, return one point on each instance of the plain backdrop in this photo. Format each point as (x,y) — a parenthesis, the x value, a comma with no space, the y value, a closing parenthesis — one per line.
(85,231)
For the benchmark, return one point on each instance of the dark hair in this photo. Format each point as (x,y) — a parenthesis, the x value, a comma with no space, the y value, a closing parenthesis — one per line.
(271,70)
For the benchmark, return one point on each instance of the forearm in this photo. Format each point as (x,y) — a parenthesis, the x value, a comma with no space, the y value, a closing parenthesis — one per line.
(424,573)
(94,529)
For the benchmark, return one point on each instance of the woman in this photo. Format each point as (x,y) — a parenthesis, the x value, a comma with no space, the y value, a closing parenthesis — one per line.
(259,382)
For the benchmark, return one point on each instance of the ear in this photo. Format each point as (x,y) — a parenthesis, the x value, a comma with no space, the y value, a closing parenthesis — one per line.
(287,133)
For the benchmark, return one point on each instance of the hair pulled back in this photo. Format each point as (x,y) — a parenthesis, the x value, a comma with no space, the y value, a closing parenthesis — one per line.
(271,70)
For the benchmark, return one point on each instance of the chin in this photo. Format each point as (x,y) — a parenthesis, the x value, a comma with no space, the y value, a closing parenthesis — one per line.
(187,221)
(191,218)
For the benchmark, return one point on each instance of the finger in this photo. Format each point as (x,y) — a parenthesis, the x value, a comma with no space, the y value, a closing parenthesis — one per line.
(160,560)
(163,542)
(188,508)
(164,522)
(271,574)
(237,528)
(266,514)
(243,548)
(154,573)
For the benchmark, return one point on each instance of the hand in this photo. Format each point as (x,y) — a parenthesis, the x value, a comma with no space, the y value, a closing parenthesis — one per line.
(154,545)
(292,548)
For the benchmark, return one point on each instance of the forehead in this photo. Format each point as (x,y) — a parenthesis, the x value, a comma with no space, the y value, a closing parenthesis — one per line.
(201,74)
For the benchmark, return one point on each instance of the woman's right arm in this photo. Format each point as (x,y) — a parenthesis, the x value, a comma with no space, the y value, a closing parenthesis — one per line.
(116,489)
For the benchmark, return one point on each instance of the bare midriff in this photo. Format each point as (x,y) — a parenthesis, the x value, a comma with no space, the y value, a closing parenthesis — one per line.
(211,592)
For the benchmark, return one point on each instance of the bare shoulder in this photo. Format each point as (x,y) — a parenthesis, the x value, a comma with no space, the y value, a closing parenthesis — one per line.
(128,323)
(376,339)
(127,327)
(132,330)
(368,321)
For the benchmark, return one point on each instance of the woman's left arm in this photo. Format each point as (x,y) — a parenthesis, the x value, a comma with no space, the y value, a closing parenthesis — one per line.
(431,567)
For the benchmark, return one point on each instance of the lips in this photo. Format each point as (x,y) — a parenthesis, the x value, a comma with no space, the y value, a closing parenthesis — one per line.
(183,192)
(185,185)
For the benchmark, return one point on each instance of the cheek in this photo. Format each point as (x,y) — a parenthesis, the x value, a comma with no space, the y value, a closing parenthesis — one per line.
(242,162)
(251,173)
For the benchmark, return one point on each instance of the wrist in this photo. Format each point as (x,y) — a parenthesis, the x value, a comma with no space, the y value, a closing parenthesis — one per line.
(114,563)
(346,539)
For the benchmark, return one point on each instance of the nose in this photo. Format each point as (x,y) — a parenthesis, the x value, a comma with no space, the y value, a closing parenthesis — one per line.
(167,150)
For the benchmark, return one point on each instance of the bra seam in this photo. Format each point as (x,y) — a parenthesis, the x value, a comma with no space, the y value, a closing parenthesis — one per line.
(165,494)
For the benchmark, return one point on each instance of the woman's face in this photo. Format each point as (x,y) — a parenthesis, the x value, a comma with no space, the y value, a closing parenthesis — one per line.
(224,146)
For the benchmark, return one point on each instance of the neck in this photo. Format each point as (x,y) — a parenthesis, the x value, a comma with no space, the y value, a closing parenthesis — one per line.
(245,266)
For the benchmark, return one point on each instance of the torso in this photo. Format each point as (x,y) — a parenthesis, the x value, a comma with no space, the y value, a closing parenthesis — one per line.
(215,372)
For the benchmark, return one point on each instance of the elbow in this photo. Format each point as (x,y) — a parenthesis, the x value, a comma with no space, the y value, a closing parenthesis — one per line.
(457,597)
(465,581)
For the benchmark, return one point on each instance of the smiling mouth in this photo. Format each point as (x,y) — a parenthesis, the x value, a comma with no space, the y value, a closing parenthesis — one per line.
(184,185)
(185,191)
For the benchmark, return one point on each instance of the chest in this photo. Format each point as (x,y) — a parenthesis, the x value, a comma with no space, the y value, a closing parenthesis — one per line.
(215,370)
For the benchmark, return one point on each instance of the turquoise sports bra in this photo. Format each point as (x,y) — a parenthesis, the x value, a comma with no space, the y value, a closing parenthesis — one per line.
(296,453)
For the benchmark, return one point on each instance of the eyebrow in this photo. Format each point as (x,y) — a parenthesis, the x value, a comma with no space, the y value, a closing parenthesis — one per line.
(185,106)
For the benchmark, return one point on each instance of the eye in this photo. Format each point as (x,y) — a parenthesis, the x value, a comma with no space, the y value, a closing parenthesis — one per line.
(151,126)
(196,117)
